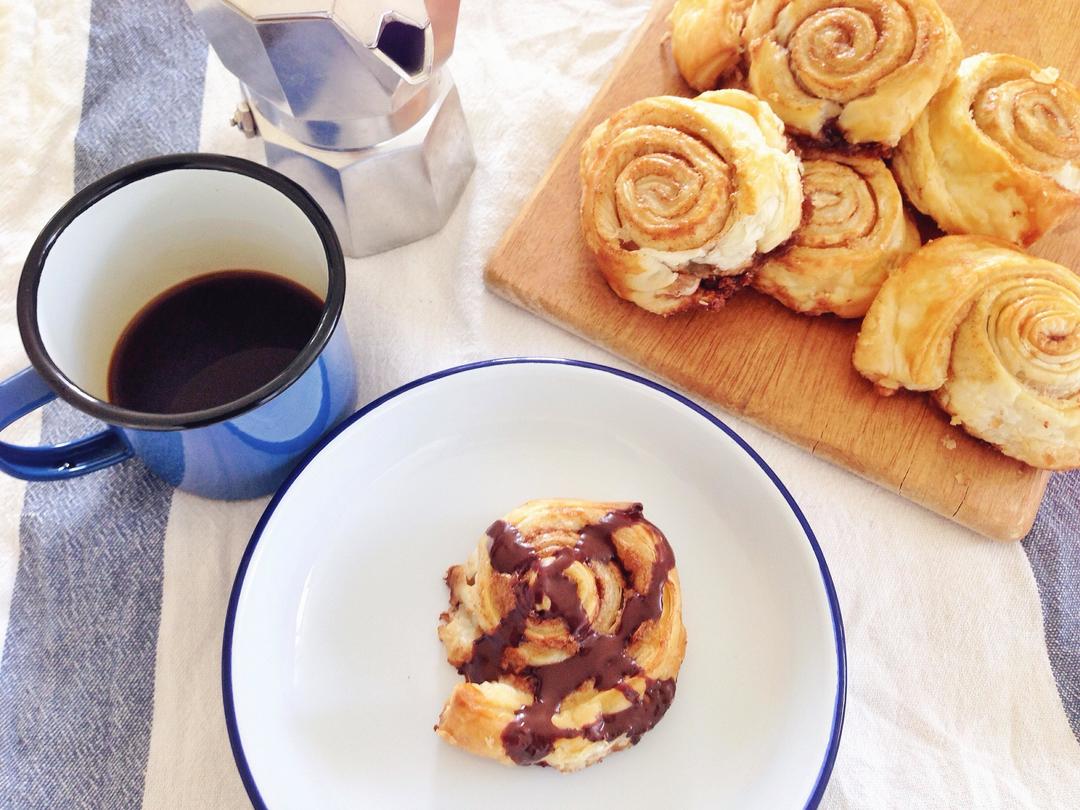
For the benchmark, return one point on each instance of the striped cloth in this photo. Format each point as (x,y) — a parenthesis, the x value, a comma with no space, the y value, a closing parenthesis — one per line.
(964,654)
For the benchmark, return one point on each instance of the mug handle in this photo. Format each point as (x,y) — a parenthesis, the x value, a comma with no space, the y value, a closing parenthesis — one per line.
(26,392)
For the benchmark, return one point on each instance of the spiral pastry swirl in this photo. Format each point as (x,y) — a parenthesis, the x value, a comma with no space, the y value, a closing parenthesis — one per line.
(855,232)
(706,39)
(997,152)
(860,69)
(995,334)
(679,197)
(566,622)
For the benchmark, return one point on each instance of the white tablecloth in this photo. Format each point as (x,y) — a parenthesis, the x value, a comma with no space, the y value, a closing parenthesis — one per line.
(952,699)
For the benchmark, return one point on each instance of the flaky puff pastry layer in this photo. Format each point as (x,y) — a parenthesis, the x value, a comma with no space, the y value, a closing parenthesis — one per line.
(995,334)
(480,714)
(706,39)
(855,232)
(678,193)
(863,69)
(997,152)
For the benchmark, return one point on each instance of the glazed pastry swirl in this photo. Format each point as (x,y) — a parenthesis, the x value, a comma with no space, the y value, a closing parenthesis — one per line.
(995,333)
(997,152)
(566,623)
(867,66)
(855,233)
(706,39)
(680,195)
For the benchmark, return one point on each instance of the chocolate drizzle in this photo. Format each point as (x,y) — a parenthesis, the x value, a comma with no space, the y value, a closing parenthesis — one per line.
(561,591)
(601,658)
(509,553)
(486,661)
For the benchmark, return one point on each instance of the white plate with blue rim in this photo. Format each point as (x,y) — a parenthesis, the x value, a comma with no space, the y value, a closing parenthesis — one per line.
(333,675)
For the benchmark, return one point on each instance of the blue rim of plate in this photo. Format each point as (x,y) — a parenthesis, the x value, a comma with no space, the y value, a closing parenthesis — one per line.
(234,599)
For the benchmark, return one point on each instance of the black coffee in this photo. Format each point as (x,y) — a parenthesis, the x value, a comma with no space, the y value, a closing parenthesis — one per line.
(210,341)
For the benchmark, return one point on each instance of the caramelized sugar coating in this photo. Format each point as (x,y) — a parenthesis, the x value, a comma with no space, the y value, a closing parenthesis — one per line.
(854,233)
(858,70)
(682,196)
(706,39)
(997,152)
(995,334)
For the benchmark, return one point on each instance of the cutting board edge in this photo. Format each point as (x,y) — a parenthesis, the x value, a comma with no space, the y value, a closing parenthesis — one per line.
(1000,530)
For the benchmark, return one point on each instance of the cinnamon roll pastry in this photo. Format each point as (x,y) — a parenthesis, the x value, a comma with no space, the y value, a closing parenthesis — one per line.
(566,622)
(860,70)
(706,39)
(997,152)
(854,233)
(995,334)
(680,196)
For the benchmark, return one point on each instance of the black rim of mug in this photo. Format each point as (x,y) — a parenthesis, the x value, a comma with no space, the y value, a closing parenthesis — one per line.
(26,302)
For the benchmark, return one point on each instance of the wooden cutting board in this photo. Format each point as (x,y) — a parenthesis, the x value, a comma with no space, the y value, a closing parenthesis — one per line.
(790,374)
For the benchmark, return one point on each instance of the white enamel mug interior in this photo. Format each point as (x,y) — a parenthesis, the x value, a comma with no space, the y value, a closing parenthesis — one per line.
(151,233)
(333,674)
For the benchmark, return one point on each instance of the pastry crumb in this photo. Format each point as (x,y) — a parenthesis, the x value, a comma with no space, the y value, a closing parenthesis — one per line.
(949,443)
(1048,75)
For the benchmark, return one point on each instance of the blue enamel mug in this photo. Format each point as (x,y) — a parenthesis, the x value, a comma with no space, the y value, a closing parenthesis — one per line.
(119,244)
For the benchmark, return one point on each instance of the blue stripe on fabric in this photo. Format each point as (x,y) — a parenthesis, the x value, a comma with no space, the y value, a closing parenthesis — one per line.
(1053,548)
(77,676)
